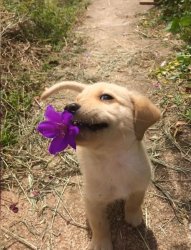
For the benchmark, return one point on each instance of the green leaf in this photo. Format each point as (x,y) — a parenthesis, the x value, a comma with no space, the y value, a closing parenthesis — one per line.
(174,25)
(185,21)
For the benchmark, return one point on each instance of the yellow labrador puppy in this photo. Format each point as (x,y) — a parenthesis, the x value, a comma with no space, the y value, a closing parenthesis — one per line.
(112,122)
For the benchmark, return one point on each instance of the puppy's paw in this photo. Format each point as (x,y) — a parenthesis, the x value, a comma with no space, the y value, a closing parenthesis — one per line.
(134,219)
(104,244)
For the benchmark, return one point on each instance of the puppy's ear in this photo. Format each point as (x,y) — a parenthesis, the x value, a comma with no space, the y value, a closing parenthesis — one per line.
(145,114)
(76,86)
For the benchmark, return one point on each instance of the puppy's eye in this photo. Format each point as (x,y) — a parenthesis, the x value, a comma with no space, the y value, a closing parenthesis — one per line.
(106,97)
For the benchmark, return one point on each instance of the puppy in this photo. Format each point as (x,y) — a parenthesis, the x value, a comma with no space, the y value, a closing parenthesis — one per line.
(112,122)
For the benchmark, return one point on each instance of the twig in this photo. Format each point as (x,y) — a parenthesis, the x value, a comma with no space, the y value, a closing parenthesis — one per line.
(147,246)
(71,159)
(38,103)
(29,227)
(147,3)
(177,180)
(169,199)
(64,218)
(73,222)
(8,245)
(142,33)
(68,211)
(43,235)
(10,26)
(146,217)
(57,205)
(176,168)
(176,144)
(165,198)
(18,238)
(22,188)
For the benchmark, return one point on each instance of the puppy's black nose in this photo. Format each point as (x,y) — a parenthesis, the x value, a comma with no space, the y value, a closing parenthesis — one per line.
(72,107)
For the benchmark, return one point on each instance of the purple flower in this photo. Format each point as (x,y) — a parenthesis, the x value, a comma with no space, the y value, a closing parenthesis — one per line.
(58,126)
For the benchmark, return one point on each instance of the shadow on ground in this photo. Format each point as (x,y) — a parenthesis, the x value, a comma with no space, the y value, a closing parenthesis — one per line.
(125,236)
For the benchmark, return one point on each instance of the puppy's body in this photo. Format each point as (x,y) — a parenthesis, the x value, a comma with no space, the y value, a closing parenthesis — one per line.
(115,170)
(112,157)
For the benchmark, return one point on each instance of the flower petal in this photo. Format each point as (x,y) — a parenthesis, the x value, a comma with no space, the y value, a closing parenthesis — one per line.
(66,117)
(52,115)
(72,141)
(72,133)
(58,144)
(73,130)
(48,129)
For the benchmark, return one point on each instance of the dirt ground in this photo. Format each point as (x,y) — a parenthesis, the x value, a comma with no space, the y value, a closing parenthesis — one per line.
(51,212)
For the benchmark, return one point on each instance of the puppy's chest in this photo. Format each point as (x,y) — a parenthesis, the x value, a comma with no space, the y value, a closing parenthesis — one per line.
(110,179)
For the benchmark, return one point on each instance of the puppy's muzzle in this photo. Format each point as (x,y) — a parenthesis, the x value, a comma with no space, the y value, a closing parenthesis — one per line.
(81,122)
(72,107)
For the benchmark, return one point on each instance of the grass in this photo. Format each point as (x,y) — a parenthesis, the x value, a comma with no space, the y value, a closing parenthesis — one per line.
(46,21)
(173,78)
(28,62)
(33,33)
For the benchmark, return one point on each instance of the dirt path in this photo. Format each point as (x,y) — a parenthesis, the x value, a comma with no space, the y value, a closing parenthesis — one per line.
(116,51)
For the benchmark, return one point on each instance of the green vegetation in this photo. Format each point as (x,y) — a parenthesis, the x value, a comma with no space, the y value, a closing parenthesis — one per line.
(178,15)
(46,20)
(177,69)
(33,31)
(174,74)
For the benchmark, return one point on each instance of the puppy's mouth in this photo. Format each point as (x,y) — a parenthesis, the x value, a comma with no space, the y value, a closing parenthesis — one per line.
(90,126)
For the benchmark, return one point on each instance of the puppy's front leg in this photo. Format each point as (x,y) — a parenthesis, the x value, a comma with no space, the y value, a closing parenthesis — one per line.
(133,211)
(96,213)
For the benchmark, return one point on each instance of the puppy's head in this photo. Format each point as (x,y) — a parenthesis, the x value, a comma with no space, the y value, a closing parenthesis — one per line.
(105,112)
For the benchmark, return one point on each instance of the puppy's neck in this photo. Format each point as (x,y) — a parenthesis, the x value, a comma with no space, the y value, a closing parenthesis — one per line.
(112,146)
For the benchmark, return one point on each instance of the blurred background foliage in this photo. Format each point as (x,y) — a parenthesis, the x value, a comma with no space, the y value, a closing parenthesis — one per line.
(178,15)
